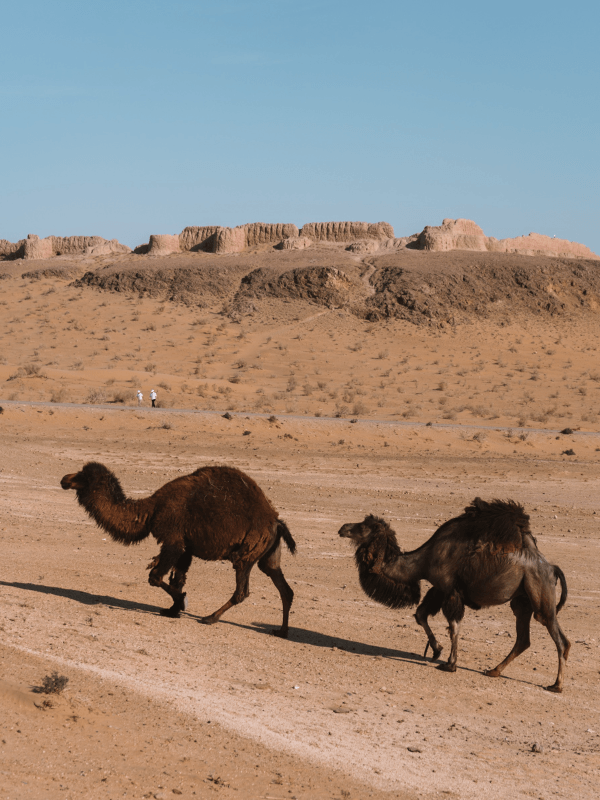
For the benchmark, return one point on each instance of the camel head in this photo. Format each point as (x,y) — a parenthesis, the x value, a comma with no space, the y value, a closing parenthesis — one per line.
(362,532)
(94,478)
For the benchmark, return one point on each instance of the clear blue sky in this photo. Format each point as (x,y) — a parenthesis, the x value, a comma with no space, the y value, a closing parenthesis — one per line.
(122,119)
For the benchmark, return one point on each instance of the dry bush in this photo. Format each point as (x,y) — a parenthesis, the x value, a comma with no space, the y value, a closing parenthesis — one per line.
(291,384)
(52,684)
(20,373)
(58,396)
(165,386)
(383,354)
(96,395)
(308,389)
(150,367)
(164,403)
(123,396)
(234,379)
(360,409)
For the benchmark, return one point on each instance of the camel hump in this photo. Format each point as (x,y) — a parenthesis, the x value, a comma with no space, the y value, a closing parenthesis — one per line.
(501,523)
(498,508)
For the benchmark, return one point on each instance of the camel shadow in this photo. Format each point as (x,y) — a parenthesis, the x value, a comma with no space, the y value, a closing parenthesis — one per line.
(85,597)
(317,639)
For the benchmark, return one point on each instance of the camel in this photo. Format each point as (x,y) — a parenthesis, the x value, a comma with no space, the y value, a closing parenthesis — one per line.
(216,514)
(485,557)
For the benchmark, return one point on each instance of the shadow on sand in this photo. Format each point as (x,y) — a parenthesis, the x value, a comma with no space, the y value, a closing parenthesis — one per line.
(85,598)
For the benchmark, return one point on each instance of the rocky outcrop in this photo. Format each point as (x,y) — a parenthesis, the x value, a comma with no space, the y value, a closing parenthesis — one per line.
(196,238)
(464,234)
(265,233)
(11,250)
(327,286)
(36,248)
(347,231)
(364,248)
(85,245)
(538,244)
(163,244)
(230,240)
(452,234)
(294,243)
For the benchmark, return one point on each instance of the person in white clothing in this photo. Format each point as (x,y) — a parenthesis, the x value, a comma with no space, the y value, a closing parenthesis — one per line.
(140,397)
(153,398)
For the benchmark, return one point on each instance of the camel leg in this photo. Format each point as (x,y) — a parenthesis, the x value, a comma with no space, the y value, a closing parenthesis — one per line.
(522,610)
(454,610)
(270,565)
(242,590)
(177,580)
(563,645)
(167,559)
(432,603)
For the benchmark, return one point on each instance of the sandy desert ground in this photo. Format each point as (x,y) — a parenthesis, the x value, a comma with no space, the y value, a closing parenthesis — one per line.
(347,707)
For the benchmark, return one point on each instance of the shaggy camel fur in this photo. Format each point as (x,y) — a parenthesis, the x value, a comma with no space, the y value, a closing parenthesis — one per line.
(485,557)
(216,514)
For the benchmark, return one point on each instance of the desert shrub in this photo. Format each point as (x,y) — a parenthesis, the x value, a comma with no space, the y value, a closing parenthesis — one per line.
(20,373)
(53,684)
(360,409)
(165,402)
(96,395)
(58,396)
(32,369)
(123,396)
(150,367)
(234,379)
(291,384)
(165,386)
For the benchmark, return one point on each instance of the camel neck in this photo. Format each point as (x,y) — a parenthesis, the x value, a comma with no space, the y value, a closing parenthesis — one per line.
(407,568)
(126,520)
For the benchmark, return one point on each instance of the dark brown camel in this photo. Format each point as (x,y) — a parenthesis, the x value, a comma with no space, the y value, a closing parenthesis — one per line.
(216,513)
(485,557)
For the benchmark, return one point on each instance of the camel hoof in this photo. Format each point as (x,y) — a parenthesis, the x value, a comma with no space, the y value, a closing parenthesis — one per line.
(554,688)
(280,633)
(491,673)
(208,620)
(436,654)
(170,612)
(446,667)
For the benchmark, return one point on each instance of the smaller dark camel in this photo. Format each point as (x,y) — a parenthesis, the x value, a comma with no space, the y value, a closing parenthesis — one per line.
(485,557)
(216,514)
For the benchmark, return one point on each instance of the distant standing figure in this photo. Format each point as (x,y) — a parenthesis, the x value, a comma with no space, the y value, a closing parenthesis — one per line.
(140,397)
(153,398)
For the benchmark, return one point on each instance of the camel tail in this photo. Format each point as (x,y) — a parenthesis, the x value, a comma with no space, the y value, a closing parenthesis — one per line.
(559,574)
(283,532)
